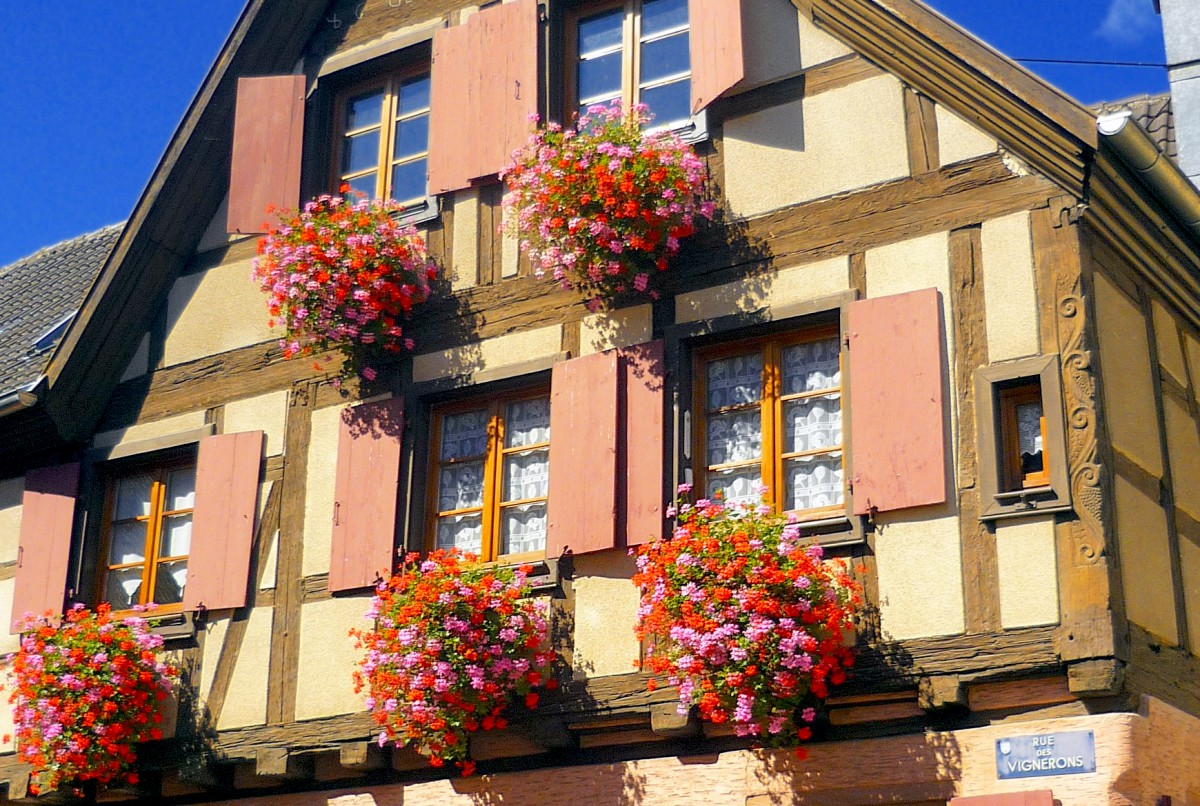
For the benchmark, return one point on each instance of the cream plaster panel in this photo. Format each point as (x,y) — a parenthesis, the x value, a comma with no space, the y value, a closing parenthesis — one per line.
(266,413)
(1028,572)
(7,712)
(755,293)
(246,703)
(510,253)
(215,630)
(621,328)
(8,643)
(499,351)
(1128,388)
(319,489)
(1166,340)
(11,493)
(919,566)
(772,37)
(214,311)
(816,46)
(158,428)
(959,140)
(1009,293)
(271,563)
(139,365)
(1193,355)
(1189,560)
(465,242)
(1183,445)
(1145,561)
(606,604)
(327,657)
(217,235)
(833,142)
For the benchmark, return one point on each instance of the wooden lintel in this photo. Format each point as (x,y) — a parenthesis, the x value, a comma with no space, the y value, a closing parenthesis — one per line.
(941,691)
(271,761)
(1019,694)
(666,721)
(1098,677)
(618,738)
(362,756)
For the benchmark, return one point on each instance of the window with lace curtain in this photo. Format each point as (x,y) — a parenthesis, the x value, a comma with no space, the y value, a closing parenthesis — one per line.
(490,476)
(769,412)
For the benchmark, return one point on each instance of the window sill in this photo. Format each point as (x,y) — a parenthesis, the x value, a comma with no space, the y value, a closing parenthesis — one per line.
(831,532)
(419,213)
(544,578)
(1024,503)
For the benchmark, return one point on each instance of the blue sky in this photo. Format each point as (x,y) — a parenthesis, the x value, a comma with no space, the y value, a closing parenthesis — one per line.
(93,91)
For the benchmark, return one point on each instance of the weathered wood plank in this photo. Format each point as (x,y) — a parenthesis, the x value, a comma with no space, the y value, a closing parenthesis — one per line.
(920,127)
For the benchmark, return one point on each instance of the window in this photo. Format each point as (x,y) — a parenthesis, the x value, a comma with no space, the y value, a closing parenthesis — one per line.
(148,535)
(636,51)
(383,139)
(770,411)
(490,480)
(1023,436)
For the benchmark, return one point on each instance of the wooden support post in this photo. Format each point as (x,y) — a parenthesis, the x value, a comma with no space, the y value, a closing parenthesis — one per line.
(941,691)
(666,721)
(1099,677)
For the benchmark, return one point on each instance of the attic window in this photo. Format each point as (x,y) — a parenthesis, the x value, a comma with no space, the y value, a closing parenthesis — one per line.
(51,336)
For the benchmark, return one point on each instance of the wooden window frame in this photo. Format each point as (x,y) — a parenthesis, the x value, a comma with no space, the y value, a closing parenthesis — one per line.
(771,403)
(493,506)
(1004,491)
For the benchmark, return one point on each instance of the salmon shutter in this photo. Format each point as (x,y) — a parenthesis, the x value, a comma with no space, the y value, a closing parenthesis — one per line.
(364,503)
(897,423)
(716,49)
(583,455)
(227,471)
(47,522)
(1039,797)
(484,78)
(268,136)
(641,445)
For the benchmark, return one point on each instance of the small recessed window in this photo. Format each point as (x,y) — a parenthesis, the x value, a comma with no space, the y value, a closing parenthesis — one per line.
(383,139)
(1023,433)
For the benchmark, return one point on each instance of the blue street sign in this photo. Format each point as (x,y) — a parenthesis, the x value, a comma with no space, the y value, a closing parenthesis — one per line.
(1068,753)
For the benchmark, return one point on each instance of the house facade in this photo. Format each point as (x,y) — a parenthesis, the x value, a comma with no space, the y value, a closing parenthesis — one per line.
(950,320)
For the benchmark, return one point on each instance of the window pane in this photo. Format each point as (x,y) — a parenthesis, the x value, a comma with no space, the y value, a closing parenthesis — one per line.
(600,78)
(364,185)
(414,95)
(460,486)
(127,543)
(665,57)
(363,110)
(177,536)
(736,486)
(670,104)
(360,152)
(464,532)
(735,437)
(660,15)
(813,481)
(412,137)
(169,582)
(601,31)
(812,423)
(133,497)
(733,381)
(1029,436)
(523,528)
(464,434)
(181,489)
(527,422)
(408,181)
(811,366)
(526,475)
(122,588)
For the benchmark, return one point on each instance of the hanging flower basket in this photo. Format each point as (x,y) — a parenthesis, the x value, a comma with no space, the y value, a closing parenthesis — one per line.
(451,643)
(750,625)
(602,207)
(86,692)
(343,274)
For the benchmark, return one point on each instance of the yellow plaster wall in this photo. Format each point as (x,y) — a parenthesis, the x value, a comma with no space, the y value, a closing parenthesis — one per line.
(621,328)
(215,628)
(1145,562)
(499,351)
(1183,445)
(836,141)
(958,140)
(1027,571)
(465,240)
(140,363)
(771,40)
(1166,738)
(271,563)
(7,722)
(1193,355)
(319,489)
(509,252)
(11,492)
(605,610)
(919,566)
(152,430)
(1166,340)
(246,703)
(1189,560)
(816,46)
(328,656)
(266,413)
(8,643)
(215,235)
(1128,388)
(758,292)
(1009,293)
(214,311)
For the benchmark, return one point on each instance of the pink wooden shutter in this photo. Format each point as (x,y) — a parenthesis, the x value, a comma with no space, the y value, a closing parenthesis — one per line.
(364,503)
(484,79)
(1039,797)
(583,454)
(716,49)
(227,471)
(641,444)
(268,136)
(895,399)
(47,522)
